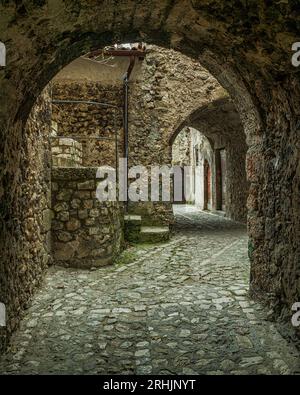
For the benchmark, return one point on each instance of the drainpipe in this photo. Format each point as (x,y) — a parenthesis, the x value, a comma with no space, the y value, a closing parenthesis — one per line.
(126,106)
(126,91)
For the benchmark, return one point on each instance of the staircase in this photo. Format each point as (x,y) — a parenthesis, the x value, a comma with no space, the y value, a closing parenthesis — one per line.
(136,233)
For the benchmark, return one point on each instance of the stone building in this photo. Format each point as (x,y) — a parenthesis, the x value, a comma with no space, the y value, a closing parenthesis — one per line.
(216,86)
(87,98)
(191,148)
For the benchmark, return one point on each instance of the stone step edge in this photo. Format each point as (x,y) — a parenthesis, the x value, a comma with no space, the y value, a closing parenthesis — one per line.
(132,218)
(155,229)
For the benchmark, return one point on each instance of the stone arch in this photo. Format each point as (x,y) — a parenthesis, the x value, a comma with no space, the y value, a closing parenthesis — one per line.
(201,114)
(220,122)
(42,38)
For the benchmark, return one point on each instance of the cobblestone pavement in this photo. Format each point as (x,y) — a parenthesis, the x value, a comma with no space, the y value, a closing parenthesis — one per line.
(179,308)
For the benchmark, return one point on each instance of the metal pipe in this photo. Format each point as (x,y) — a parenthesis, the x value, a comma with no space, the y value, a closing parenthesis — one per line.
(126,93)
(122,53)
(83,138)
(126,128)
(94,103)
(116,151)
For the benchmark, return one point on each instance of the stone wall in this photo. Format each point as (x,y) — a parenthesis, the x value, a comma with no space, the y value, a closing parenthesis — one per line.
(66,152)
(87,120)
(205,152)
(237,187)
(181,148)
(26,254)
(221,124)
(161,95)
(189,143)
(251,60)
(85,232)
(273,205)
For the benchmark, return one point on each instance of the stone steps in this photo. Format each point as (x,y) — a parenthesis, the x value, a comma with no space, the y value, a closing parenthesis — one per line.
(132,228)
(136,233)
(154,234)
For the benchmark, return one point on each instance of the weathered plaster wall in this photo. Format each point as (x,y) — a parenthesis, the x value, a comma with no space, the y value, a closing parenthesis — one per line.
(184,148)
(85,232)
(205,153)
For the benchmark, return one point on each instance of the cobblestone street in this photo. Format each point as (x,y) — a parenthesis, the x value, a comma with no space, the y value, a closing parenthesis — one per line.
(176,308)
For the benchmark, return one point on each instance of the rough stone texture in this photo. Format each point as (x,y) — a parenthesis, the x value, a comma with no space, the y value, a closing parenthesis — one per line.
(179,308)
(66,152)
(162,94)
(85,232)
(87,120)
(25,256)
(154,234)
(220,122)
(181,148)
(247,47)
(132,227)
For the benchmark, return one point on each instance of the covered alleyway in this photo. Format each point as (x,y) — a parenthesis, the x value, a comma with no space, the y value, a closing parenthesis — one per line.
(179,308)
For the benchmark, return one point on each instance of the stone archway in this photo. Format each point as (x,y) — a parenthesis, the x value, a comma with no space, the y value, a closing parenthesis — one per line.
(254,68)
(221,124)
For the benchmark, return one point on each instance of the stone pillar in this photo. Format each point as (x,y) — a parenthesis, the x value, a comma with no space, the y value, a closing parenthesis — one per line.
(66,152)
(85,232)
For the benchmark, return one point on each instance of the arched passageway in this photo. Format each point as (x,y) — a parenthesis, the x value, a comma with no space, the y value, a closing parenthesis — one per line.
(223,144)
(256,71)
(180,307)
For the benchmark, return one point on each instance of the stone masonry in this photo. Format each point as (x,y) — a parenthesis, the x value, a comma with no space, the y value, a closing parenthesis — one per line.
(84,120)
(221,124)
(246,46)
(177,308)
(192,148)
(66,152)
(85,232)
(162,94)
(30,249)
